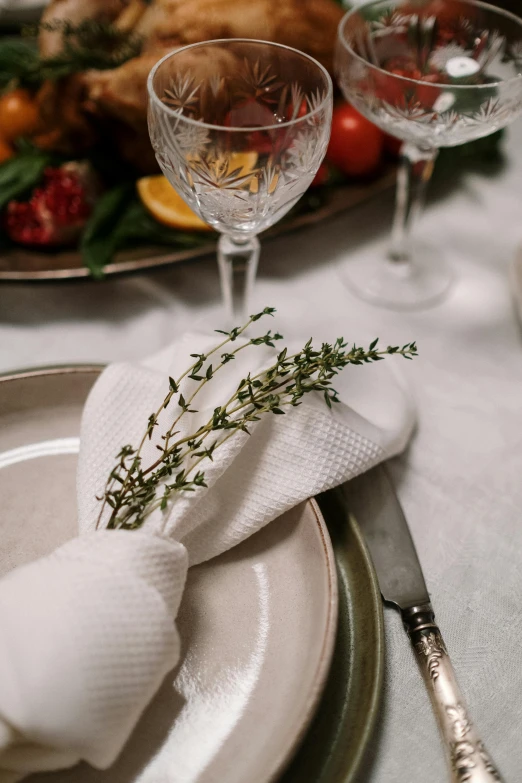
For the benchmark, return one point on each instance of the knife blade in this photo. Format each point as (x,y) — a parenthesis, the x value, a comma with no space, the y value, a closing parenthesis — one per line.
(372,501)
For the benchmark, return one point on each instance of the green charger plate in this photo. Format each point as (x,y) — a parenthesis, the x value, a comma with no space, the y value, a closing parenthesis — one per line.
(333,749)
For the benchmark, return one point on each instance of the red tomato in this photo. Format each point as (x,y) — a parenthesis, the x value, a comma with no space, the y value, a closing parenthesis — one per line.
(321,177)
(261,142)
(392,145)
(453,19)
(387,88)
(302,112)
(303,109)
(249,113)
(399,92)
(442,9)
(356,144)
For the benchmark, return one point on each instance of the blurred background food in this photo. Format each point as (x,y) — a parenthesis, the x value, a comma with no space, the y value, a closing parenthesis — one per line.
(75,157)
(95,100)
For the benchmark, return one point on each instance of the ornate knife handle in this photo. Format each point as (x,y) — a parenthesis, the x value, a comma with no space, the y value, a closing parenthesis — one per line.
(468,758)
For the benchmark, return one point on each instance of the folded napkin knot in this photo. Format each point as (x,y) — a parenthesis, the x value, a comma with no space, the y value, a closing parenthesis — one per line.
(120,591)
(88,633)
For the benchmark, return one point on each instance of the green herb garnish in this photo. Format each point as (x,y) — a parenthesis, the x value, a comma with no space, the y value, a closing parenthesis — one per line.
(98,241)
(20,174)
(89,44)
(120,220)
(134,490)
(19,63)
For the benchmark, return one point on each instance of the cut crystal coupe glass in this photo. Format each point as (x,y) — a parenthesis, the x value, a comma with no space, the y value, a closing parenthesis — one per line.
(239,128)
(434,73)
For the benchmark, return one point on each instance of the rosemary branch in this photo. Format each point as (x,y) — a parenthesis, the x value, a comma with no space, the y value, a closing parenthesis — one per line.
(89,44)
(134,490)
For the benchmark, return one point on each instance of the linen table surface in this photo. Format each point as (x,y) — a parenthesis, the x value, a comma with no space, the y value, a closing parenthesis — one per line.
(460,482)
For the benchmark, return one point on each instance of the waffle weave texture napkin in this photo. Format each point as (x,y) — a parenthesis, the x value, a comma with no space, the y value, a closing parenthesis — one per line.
(89,632)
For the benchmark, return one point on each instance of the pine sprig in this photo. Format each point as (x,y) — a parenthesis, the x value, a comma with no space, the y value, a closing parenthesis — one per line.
(134,490)
(90,44)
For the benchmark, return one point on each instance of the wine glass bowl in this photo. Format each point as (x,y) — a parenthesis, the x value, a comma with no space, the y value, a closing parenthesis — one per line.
(441,79)
(239,128)
(433,73)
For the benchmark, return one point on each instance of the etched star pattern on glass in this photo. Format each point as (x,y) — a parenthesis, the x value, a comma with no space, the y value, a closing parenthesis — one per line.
(239,128)
(433,73)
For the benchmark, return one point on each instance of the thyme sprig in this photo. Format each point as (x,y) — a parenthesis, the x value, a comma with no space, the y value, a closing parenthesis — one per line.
(134,490)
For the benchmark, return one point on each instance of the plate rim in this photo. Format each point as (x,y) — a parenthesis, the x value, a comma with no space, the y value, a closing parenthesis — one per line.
(345,725)
(280,761)
(327,649)
(375,697)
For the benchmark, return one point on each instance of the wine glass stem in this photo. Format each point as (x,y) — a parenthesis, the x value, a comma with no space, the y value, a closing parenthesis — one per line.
(414,173)
(237,260)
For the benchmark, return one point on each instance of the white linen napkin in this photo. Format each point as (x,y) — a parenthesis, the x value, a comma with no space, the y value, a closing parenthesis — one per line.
(88,633)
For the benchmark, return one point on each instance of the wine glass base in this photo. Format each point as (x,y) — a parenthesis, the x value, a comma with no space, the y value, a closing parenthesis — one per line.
(399,285)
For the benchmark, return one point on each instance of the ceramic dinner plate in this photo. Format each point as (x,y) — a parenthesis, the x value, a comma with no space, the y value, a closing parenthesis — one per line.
(257,624)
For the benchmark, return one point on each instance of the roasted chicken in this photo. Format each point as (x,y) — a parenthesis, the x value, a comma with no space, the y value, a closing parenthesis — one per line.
(117,99)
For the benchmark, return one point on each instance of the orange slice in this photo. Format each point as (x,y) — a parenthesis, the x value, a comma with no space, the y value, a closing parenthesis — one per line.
(241,164)
(246,161)
(167,206)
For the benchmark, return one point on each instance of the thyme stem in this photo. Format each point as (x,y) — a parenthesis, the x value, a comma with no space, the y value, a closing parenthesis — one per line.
(134,491)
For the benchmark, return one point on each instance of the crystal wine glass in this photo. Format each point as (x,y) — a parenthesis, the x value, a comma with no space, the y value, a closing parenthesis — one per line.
(239,128)
(434,73)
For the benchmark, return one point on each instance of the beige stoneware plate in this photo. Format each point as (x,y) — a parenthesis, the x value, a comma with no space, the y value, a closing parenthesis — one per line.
(257,624)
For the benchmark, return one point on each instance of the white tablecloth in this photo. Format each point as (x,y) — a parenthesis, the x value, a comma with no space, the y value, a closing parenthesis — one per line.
(461,480)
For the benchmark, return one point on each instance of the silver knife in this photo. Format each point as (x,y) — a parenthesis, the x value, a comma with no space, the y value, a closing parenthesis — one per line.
(373,502)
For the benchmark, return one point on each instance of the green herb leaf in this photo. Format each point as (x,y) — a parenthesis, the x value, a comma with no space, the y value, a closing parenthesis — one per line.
(136,225)
(131,490)
(99,238)
(20,174)
(119,220)
(19,63)
(89,44)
